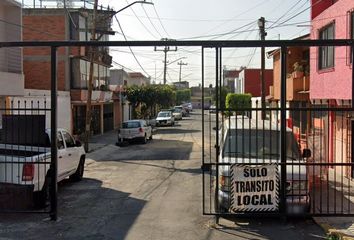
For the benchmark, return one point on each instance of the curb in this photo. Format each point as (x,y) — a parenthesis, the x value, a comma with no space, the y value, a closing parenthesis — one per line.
(332,231)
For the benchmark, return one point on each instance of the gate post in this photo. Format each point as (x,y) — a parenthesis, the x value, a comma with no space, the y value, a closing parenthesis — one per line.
(283,130)
(217,133)
(53,132)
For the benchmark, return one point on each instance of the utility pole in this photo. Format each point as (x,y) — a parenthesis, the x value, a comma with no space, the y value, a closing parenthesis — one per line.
(166,49)
(92,51)
(263,34)
(180,63)
(92,55)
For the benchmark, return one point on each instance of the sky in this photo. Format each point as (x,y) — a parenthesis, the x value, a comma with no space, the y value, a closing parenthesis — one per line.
(201,20)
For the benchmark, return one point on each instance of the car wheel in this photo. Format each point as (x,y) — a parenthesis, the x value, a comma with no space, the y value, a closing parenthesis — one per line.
(77,176)
(217,207)
(40,197)
(145,139)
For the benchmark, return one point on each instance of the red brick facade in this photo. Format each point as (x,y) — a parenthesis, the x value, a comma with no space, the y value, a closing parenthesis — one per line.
(37,72)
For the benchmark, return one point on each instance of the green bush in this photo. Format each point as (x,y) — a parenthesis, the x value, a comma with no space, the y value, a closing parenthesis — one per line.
(236,102)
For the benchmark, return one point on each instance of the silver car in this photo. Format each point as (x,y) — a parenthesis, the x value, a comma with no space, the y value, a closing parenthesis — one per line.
(135,130)
(165,118)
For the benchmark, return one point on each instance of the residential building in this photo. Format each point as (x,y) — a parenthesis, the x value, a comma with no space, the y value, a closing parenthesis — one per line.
(73,63)
(331,74)
(249,81)
(137,78)
(181,84)
(230,78)
(11,69)
(297,83)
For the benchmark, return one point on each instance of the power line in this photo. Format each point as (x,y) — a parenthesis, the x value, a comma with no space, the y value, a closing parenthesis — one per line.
(297,14)
(238,15)
(152,24)
(121,29)
(225,33)
(287,12)
(148,30)
(163,27)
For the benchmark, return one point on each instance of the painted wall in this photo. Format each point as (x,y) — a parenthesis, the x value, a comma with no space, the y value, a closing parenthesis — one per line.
(41,99)
(332,83)
(318,6)
(11,70)
(249,82)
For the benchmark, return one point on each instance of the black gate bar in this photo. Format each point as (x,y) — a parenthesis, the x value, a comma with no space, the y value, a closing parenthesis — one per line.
(201,43)
(53,132)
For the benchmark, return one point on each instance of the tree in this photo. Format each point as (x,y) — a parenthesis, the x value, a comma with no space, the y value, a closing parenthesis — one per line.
(146,99)
(183,96)
(224,91)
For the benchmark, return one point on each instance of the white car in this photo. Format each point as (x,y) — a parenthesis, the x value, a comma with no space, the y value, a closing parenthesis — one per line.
(165,118)
(32,169)
(177,114)
(135,130)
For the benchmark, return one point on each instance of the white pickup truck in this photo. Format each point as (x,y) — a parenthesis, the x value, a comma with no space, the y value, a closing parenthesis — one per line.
(28,166)
(247,141)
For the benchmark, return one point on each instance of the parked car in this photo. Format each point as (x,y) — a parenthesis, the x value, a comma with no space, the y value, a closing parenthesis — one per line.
(165,118)
(247,140)
(188,106)
(212,109)
(33,166)
(177,113)
(135,130)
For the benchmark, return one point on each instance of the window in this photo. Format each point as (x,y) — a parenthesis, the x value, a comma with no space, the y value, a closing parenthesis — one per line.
(326,53)
(68,140)
(60,141)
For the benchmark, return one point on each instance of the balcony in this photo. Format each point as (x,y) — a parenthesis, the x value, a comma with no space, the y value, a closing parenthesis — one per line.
(297,88)
(102,56)
(80,95)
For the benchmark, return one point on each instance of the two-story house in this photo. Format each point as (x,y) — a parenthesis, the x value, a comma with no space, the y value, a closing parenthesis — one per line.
(331,73)
(297,84)
(73,64)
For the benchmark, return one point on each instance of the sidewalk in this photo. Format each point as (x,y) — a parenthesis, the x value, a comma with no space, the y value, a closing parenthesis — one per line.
(335,196)
(99,141)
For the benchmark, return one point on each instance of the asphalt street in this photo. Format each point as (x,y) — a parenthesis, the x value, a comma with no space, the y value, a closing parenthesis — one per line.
(151,191)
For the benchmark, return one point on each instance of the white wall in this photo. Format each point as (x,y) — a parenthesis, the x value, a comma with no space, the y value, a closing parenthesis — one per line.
(38,99)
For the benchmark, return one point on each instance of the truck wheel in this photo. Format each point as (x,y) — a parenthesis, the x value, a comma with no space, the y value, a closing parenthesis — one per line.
(77,176)
(40,197)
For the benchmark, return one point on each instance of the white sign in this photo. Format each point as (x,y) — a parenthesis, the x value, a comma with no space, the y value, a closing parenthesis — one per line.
(254,188)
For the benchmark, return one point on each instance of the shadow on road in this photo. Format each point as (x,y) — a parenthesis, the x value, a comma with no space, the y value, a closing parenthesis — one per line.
(86,211)
(175,131)
(154,150)
(193,171)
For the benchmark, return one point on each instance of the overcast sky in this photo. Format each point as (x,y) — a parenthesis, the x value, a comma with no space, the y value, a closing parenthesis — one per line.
(202,20)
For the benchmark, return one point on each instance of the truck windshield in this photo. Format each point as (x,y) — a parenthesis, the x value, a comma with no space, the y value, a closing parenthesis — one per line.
(252,143)
(131,124)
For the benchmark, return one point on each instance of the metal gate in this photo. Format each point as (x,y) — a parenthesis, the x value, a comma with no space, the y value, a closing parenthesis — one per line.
(250,166)
(275,157)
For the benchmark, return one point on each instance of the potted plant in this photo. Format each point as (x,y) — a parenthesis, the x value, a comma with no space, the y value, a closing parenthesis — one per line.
(298,70)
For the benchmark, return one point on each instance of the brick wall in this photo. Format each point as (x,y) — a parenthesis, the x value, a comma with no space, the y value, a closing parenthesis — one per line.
(36,64)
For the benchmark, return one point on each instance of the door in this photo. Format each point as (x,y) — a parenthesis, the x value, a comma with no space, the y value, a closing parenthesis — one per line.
(72,154)
(63,161)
